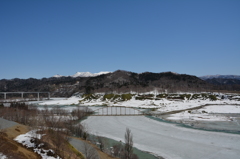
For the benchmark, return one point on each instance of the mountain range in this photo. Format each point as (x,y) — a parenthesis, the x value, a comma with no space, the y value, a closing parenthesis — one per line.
(220,76)
(120,82)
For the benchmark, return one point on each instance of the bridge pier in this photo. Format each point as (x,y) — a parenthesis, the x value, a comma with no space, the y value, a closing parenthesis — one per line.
(5,95)
(22,95)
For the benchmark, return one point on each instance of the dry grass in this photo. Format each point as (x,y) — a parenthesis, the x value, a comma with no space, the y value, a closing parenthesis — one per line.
(11,148)
(14,150)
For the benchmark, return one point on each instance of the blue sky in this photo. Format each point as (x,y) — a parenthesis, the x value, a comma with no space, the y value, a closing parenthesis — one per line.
(41,38)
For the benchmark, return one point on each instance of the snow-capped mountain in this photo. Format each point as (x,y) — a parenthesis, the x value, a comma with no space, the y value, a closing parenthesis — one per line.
(220,76)
(88,74)
(83,74)
(57,76)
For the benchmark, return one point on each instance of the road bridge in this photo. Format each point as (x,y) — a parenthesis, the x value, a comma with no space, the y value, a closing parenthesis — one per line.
(22,94)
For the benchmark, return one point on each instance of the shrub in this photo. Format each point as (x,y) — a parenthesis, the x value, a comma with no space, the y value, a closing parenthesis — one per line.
(195,96)
(108,96)
(183,96)
(126,97)
(212,97)
(204,95)
(116,97)
(162,95)
(89,97)
(140,98)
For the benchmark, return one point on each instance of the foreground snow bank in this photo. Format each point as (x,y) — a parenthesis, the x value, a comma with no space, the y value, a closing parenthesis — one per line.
(28,141)
(2,156)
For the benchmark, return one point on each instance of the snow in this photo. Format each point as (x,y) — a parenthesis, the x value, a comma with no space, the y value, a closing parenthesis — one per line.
(222,109)
(163,105)
(208,113)
(58,76)
(2,156)
(84,74)
(64,101)
(236,97)
(204,117)
(167,140)
(26,140)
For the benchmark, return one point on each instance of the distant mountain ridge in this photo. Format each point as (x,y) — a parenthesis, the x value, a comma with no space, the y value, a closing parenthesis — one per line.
(119,81)
(220,76)
(222,79)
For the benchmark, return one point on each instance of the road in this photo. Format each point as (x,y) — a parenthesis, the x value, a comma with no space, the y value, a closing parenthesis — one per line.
(6,123)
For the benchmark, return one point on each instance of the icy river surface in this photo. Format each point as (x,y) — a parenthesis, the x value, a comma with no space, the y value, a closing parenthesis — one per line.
(167,140)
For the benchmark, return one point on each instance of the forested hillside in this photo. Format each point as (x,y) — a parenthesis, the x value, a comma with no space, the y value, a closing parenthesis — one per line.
(118,81)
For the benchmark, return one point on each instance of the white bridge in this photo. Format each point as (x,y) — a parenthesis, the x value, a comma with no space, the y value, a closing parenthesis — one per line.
(117,111)
(22,94)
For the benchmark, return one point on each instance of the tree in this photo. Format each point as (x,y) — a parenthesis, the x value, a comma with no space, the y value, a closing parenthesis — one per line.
(89,152)
(128,148)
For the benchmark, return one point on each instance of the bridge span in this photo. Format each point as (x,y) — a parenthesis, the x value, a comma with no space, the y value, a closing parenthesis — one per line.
(117,111)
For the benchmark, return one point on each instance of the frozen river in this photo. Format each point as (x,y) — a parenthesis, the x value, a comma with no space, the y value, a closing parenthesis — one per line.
(167,140)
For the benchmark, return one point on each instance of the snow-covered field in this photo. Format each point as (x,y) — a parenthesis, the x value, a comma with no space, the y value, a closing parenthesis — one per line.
(221,109)
(208,113)
(167,140)
(61,101)
(161,106)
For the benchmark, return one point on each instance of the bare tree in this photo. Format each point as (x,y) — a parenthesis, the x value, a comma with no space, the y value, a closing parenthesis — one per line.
(118,151)
(101,143)
(89,151)
(128,148)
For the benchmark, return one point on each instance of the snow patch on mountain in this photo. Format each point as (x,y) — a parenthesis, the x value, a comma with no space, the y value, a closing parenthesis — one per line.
(57,76)
(84,74)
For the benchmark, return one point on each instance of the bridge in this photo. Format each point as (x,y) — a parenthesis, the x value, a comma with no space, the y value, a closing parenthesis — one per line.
(22,94)
(117,111)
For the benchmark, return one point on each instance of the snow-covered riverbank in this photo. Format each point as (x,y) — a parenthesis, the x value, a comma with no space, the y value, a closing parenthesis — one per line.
(165,139)
(227,104)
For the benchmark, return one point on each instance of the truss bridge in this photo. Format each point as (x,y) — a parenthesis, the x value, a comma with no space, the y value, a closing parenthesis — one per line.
(117,111)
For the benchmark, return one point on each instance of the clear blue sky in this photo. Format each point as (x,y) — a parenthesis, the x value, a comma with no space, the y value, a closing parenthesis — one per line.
(41,38)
